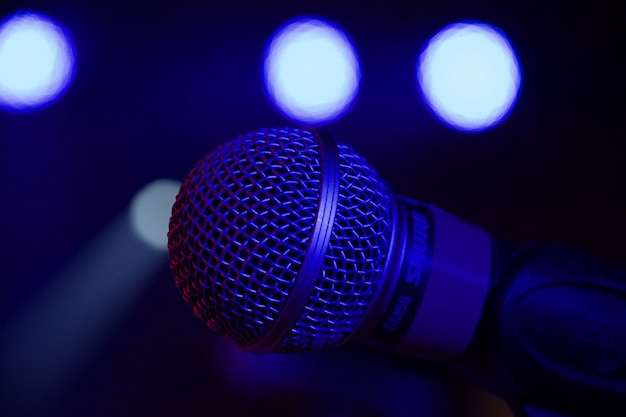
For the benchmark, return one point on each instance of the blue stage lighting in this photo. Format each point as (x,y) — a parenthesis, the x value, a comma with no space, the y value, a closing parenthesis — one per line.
(37,61)
(53,334)
(469,76)
(312,71)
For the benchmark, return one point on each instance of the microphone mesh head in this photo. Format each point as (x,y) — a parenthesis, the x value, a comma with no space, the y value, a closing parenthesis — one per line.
(240,230)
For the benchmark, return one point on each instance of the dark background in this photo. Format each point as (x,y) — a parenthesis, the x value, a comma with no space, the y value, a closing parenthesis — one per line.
(159,84)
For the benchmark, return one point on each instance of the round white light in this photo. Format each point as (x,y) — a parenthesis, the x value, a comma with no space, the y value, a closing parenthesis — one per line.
(469,76)
(36,61)
(312,71)
(150,211)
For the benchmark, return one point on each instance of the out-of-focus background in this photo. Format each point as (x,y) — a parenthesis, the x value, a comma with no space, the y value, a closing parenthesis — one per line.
(509,114)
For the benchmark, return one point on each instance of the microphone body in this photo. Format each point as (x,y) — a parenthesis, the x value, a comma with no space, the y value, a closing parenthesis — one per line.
(285,241)
(550,327)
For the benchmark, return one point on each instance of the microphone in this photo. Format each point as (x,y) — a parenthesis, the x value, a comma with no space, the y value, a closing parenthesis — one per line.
(284,240)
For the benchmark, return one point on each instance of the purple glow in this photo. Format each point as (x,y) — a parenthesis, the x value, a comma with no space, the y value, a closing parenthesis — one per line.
(469,75)
(311,71)
(37,61)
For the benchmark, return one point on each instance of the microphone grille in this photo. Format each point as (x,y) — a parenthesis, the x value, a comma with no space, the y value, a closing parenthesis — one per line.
(240,230)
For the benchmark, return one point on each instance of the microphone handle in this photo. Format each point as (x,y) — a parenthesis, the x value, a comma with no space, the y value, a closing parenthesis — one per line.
(553,331)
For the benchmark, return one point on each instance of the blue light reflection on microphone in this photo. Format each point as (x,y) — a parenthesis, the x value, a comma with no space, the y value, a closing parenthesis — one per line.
(469,75)
(37,61)
(311,71)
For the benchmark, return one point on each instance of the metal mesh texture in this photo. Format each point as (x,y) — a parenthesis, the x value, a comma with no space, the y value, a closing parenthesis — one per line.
(240,229)
(354,262)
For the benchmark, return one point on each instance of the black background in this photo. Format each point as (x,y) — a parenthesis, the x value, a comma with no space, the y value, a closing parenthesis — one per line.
(159,84)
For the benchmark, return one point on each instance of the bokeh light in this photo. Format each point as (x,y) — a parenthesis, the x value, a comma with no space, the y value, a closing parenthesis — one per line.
(37,61)
(312,72)
(470,76)
(150,211)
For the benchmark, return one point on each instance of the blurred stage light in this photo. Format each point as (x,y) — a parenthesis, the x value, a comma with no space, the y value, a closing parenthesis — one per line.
(150,211)
(37,61)
(50,336)
(469,76)
(312,71)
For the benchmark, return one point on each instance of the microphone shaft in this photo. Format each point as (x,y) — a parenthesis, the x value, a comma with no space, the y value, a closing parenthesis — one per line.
(536,324)
(553,332)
